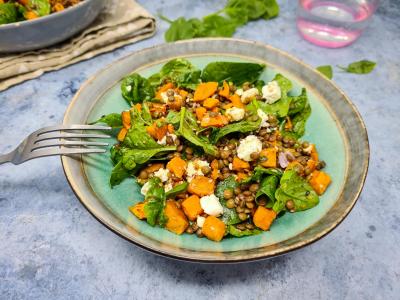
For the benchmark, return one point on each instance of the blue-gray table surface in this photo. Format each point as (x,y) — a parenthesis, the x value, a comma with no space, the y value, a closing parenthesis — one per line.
(52,248)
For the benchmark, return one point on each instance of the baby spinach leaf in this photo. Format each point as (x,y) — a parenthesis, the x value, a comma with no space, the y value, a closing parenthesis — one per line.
(8,13)
(359,67)
(279,108)
(232,230)
(182,29)
(284,83)
(229,216)
(272,9)
(135,89)
(268,187)
(296,188)
(118,174)
(113,120)
(186,131)
(259,172)
(145,114)
(236,72)
(173,118)
(241,126)
(180,71)
(298,103)
(245,10)
(155,203)
(299,121)
(133,157)
(115,154)
(217,26)
(326,70)
(178,189)
(39,7)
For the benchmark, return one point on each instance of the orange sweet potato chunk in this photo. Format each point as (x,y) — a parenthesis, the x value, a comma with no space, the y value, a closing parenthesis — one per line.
(320,181)
(210,103)
(218,121)
(201,186)
(270,155)
(157,132)
(126,119)
(138,210)
(213,228)
(163,89)
(225,90)
(205,90)
(191,207)
(236,101)
(239,165)
(177,221)
(121,134)
(177,166)
(200,112)
(264,217)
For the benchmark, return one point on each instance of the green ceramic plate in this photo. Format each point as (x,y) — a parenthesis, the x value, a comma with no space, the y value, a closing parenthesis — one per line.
(335,126)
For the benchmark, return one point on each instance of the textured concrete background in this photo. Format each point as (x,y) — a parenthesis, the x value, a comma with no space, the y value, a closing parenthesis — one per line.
(51,248)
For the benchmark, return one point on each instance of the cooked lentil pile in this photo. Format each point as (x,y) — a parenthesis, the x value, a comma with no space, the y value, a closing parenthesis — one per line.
(218,152)
(19,10)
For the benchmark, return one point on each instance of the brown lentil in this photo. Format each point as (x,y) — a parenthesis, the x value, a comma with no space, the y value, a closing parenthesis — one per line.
(189,150)
(242,216)
(230,203)
(143,174)
(206,170)
(254,187)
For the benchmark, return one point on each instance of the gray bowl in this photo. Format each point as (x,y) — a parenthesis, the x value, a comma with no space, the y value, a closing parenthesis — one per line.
(49,30)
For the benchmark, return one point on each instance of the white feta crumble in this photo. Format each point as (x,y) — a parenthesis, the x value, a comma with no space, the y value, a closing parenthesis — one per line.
(250,93)
(163,141)
(164,97)
(211,205)
(264,118)
(162,174)
(308,149)
(239,92)
(271,92)
(200,221)
(235,113)
(168,186)
(145,188)
(230,166)
(247,146)
(194,168)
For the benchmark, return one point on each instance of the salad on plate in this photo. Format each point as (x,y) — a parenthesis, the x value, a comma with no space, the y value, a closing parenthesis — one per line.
(218,152)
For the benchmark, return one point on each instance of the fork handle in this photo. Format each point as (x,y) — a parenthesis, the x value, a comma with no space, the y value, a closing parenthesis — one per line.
(5,158)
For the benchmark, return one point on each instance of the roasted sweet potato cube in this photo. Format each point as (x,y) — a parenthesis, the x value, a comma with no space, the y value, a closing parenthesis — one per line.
(177,221)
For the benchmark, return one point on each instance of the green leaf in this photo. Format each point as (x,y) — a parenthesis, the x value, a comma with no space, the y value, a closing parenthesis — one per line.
(229,216)
(272,9)
(118,174)
(155,203)
(8,13)
(182,29)
(248,10)
(299,121)
(180,71)
(232,230)
(178,189)
(296,188)
(135,89)
(298,103)
(268,187)
(359,67)
(236,72)
(284,83)
(113,120)
(39,7)
(217,26)
(326,70)
(259,172)
(173,118)
(133,157)
(186,131)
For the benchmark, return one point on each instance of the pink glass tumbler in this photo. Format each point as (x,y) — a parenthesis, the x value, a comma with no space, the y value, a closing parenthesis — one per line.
(335,23)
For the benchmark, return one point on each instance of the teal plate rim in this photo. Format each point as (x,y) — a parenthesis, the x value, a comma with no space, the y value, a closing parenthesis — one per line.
(73,167)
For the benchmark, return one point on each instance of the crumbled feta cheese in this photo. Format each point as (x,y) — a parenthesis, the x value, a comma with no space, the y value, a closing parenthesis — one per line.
(235,113)
(194,168)
(247,146)
(271,92)
(168,186)
(239,92)
(308,149)
(162,174)
(164,97)
(200,221)
(163,141)
(145,188)
(264,118)
(230,166)
(249,94)
(211,205)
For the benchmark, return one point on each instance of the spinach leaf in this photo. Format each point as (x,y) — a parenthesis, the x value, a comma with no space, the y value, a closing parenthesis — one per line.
(118,174)
(113,120)
(180,71)
(242,126)
(178,189)
(39,7)
(155,201)
(298,103)
(229,216)
(296,188)
(186,131)
(182,29)
(268,187)
(259,172)
(279,108)
(217,26)
(232,230)
(299,121)
(359,67)
(135,89)
(173,118)
(248,10)
(236,72)
(115,154)
(133,157)
(272,9)
(8,13)
(326,70)
(145,114)
(284,83)
(259,85)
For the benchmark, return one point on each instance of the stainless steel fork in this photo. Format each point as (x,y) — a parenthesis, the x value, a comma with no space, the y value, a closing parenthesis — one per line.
(57,140)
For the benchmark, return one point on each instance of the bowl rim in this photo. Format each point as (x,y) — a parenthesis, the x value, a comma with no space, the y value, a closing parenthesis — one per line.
(43,19)
(297,245)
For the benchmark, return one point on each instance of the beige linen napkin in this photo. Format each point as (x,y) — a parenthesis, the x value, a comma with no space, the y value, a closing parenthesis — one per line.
(122,22)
